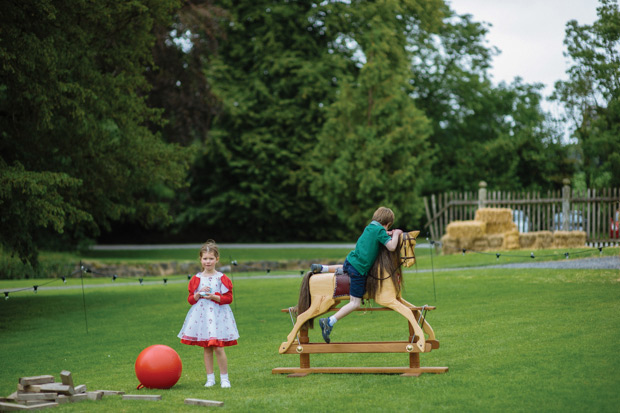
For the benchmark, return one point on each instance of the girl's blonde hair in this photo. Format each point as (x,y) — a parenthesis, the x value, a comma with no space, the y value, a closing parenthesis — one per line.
(384,216)
(209,246)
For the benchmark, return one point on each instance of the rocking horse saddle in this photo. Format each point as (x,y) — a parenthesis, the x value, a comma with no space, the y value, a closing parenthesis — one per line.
(342,283)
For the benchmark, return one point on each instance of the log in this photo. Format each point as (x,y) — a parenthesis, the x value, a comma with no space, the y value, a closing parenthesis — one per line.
(149,397)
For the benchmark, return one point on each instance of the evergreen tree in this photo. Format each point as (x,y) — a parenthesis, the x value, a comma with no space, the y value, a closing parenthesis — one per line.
(373,148)
(274,75)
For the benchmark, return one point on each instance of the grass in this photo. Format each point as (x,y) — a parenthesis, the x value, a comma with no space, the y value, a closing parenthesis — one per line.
(514,340)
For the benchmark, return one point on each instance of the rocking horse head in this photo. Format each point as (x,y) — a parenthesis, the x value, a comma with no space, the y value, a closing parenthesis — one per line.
(388,263)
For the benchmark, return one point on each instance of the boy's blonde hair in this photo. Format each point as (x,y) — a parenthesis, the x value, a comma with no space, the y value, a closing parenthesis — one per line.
(209,246)
(384,216)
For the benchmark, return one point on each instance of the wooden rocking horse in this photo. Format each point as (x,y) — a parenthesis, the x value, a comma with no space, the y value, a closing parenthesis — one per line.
(319,293)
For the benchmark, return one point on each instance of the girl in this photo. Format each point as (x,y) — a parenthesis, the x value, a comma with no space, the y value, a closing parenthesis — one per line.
(210,322)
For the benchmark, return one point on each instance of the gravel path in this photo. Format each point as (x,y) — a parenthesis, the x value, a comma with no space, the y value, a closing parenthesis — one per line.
(602,263)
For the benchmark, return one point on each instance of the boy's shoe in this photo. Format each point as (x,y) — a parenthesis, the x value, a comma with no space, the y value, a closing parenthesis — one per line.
(326,329)
(225,384)
(316,268)
(210,383)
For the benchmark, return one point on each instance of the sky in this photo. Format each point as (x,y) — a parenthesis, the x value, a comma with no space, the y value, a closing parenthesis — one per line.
(529,34)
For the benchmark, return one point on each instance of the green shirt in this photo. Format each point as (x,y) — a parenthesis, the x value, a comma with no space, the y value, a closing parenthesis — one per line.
(367,247)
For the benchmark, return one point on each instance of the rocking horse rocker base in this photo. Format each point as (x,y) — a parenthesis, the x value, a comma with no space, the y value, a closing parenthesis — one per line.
(305,348)
(319,293)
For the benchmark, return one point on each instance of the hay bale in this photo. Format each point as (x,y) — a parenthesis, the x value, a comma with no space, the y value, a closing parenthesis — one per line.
(495,240)
(480,244)
(569,239)
(527,240)
(449,245)
(494,215)
(466,229)
(511,240)
(498,220)
(544,239)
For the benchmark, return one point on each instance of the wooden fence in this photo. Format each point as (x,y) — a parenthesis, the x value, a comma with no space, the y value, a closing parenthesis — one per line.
(596,212)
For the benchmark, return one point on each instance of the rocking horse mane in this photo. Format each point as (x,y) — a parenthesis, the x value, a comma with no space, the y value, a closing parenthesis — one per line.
(386,266)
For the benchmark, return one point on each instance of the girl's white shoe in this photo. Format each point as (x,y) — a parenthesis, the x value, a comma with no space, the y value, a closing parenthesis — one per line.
(225,383)
(210,383)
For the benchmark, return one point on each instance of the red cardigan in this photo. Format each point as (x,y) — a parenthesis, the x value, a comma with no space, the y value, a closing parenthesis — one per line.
(224,298)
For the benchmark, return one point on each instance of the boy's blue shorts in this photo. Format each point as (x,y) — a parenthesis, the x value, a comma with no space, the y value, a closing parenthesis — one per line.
(358,282)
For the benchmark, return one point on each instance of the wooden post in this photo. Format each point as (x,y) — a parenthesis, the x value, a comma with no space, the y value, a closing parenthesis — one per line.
(482,194)
(304,359)
(565,204)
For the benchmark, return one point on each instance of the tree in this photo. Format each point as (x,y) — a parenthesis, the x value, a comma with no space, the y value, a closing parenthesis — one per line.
(498,134)
(179,85)
(592,93)
(76,152)
(373,148)
(274,74)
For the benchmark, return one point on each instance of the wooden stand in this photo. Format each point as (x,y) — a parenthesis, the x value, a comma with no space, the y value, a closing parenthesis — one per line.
(304,348)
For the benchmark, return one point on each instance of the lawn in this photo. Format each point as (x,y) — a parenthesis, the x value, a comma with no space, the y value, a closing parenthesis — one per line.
(514,340)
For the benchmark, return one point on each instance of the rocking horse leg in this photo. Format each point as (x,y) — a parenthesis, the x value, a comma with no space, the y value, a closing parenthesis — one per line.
(425,325)
(318,307)
(406,312)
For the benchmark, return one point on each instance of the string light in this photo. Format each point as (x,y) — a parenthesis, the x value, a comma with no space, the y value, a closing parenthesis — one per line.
(140,279)
(64,280)
(566,255)
(189,276)
(268,270)
(114,277)
(6,295)
(463,251)
(165,281)
(497,255)
(532,255)
(35,288)
(234,262)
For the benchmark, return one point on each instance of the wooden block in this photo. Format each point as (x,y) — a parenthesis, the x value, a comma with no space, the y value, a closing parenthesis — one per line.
(50,388)
(26,381)
(11,407)
(94,395)
(10,397)
(199,402)
(41,406)
(79,397)
(62,399)
(35,402)
(66,378)
(150,397)
(112,392)
(36,396)
(80,389)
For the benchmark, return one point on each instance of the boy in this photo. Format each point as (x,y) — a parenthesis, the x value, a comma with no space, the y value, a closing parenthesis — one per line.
(359,261)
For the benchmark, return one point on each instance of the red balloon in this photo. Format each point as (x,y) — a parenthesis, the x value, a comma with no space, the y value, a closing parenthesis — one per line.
(158,367)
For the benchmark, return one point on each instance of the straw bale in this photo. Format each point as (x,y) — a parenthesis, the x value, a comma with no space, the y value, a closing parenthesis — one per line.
(449,245)
(498,220)
(511,240)
(544,239)
(569,239)
(495,240)
(480,244)
(466,229)
(494,215)
(527,240)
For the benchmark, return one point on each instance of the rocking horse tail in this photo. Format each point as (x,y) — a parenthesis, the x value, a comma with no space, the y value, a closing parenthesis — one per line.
(304,298)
